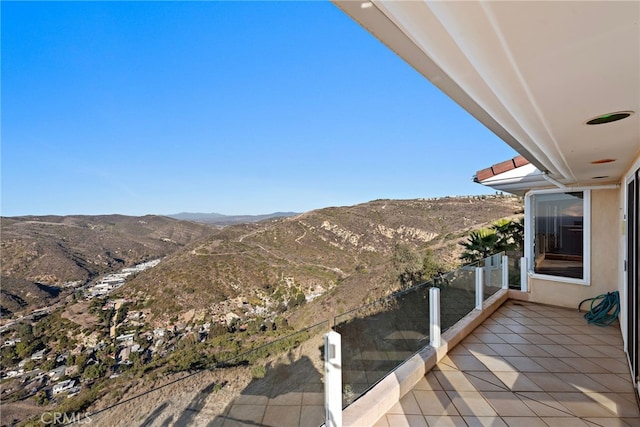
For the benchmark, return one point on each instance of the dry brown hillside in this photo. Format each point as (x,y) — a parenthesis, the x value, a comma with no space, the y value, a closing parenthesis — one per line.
(53,250)
(343,253)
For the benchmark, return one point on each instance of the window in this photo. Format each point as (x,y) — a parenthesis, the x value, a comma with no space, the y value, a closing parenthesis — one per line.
(558,235)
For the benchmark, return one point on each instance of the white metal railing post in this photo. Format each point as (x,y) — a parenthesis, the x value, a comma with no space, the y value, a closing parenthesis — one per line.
(505,272)
(524,286)
(479,293)
(332,380)
(434,317)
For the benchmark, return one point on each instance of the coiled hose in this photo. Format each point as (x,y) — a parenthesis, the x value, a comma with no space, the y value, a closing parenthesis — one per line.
(599,314)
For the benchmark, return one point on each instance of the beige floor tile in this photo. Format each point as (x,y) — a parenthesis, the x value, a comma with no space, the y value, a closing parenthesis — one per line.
(587,351)
(428,382)
(471,403)
(477,349)
(617,403)
(484,421)
(612,422)
(507,404)
(587,340)
(557,350)
(507,321)
(512,338)
(615,366)
(564,422)
(607,350)
(435,402)
(398,420)
(532,324)
(459,349)
(582,382)
(446,364)
(523,422)
(441,421)
(505,350)
(612,339)
(496,363)
(519,329)
(485,338)
(407,405)
(516,381)
(454,380)
(585,365)
(485,381)
(582,405)
(534,338)
(531,350)
(553,364)
(467,363)
(496,328)
(524,364)
(549,382)
(562,339)
(568,330)
(544,405)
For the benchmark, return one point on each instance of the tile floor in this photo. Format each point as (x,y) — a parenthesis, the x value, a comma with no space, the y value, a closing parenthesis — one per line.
(527,365)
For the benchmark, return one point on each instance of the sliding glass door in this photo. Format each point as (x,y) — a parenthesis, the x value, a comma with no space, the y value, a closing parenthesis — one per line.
(632,275)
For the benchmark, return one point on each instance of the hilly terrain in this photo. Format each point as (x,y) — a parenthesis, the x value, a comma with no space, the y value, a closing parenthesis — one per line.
(39,254)
(224,220)
(207,295)
(337,257)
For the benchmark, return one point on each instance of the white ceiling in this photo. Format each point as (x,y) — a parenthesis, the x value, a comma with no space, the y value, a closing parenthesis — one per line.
(533,72)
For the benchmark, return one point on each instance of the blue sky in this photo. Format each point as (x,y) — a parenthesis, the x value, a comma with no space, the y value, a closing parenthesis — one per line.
(228,107)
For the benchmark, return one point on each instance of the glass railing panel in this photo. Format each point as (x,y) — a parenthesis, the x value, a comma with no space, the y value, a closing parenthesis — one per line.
(492,274)
(246,389)
(514,269)
(457,295)
(378,337)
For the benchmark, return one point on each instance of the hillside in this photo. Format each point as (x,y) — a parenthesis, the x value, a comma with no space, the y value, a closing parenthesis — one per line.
(54,250)
(342,253)
(224,220)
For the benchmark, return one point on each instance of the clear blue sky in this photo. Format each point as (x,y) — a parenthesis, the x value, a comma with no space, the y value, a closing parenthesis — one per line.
(228,107)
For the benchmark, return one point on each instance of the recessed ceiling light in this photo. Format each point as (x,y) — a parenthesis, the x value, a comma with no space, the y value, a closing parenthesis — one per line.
(600,177)
(609,117)
(601,161)
(366,5)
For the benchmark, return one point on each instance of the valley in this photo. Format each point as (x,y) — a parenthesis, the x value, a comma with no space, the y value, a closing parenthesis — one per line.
(214,294)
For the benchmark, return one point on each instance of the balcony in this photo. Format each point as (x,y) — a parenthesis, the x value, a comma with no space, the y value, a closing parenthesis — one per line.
(526,365)
(502,361)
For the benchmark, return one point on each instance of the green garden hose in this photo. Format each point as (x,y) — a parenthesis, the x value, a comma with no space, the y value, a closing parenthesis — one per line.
(599,314)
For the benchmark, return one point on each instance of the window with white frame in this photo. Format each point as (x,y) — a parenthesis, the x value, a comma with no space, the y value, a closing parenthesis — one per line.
(559,234)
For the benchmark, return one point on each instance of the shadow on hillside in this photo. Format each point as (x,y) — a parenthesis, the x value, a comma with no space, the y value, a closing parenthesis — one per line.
(290,394)
(52,291)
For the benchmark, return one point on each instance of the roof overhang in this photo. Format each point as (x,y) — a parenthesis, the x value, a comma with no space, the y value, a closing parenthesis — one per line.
(534,72)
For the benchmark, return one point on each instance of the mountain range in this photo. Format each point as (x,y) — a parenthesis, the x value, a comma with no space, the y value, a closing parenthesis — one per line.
(223,220)
(338,257)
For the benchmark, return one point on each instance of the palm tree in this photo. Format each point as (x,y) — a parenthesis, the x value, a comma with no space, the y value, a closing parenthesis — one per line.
(481,244)
(503,235)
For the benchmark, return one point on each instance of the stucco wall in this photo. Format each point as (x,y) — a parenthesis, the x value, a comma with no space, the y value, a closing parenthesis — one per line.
(605,234)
